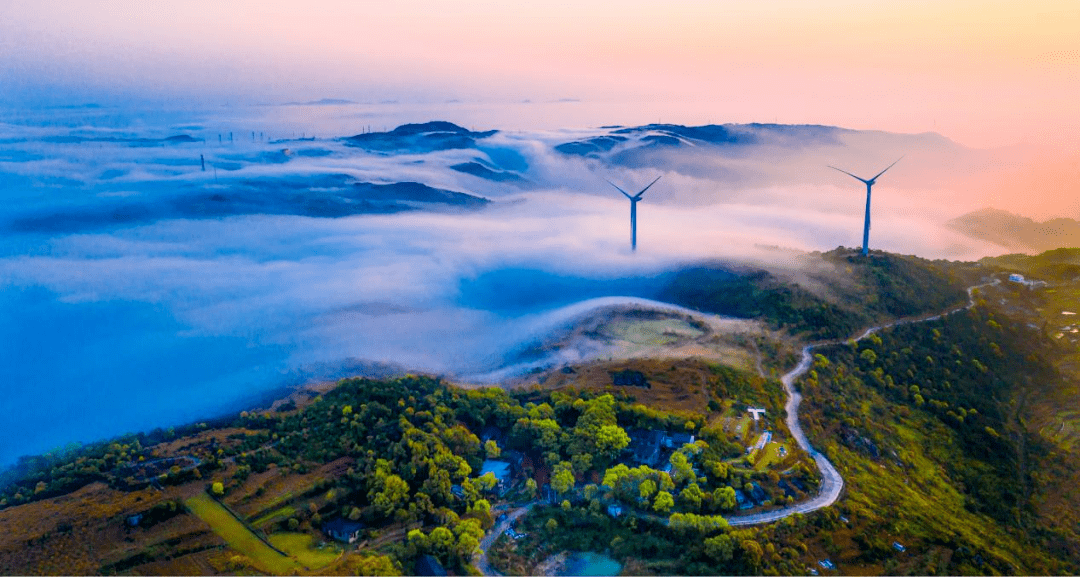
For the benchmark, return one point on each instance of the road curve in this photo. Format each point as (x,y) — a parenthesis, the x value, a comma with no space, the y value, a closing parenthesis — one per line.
(832,483)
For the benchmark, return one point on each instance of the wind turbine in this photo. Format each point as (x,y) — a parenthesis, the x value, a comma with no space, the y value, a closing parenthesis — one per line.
(633,210)
(869,184)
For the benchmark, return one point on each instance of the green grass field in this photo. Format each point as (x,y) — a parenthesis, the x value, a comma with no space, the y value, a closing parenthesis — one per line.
(301,546)
(652,332)
(768,456)
(275,515)
(238,537)
(1064,429)
(741,429)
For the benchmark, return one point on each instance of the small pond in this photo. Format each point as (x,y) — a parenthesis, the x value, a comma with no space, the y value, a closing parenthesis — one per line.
(590,564)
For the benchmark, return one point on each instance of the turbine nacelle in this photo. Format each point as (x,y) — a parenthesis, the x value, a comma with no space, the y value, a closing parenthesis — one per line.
(637,196)
(870,181)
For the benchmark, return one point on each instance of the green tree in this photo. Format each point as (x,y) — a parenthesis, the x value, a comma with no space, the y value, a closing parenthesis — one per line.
(217,488)
(752,555)
(717,470)
(417,542)
(664,502)
(378,565)
(562,479)
(487,481)
(597,431)
(480,506)
(691,497)
(681,468)
(724,498)
(441,542)
(468,533)
(647,489)
(611,440)
(393,494)
(491,449)
(582,462)
(720,548)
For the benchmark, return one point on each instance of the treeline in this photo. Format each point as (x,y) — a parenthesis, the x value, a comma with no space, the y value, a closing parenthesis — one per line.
(862,290)
(70,468)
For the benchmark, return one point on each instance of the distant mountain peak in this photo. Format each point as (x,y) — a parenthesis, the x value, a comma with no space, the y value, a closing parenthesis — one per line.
(431,126)
(322,102)
(1017,232)
(419,138)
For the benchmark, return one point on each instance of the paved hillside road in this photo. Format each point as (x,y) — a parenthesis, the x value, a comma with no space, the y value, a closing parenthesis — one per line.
(481,560)
(831,481)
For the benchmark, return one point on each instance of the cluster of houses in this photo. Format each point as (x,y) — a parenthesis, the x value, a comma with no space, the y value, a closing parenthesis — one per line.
(653,448)
(756,497)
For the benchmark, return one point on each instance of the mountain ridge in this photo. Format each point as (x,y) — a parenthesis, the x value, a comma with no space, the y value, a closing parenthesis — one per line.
(1017,232)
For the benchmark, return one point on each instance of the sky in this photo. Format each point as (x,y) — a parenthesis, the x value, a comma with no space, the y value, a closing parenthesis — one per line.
(985,73)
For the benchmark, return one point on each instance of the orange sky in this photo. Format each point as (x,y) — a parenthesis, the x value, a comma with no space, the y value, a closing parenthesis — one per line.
(985,72)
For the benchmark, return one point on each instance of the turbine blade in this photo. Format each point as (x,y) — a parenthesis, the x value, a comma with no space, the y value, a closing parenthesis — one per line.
(638,195)
(849,174)
(618,189)
(886,168)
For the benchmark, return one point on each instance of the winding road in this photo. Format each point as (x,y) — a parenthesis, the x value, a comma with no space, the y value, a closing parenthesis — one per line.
(832,483)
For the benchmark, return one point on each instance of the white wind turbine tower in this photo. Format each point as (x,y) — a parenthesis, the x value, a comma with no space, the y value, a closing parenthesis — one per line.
(633,210)
(869,184)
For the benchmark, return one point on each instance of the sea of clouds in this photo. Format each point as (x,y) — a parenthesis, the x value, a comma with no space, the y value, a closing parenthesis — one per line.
(128,307)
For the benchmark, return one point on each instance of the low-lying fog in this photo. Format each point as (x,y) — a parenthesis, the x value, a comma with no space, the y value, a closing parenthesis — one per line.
(140,290)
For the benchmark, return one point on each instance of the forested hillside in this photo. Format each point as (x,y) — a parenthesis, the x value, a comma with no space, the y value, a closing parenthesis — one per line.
(927,424)
(848,294)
